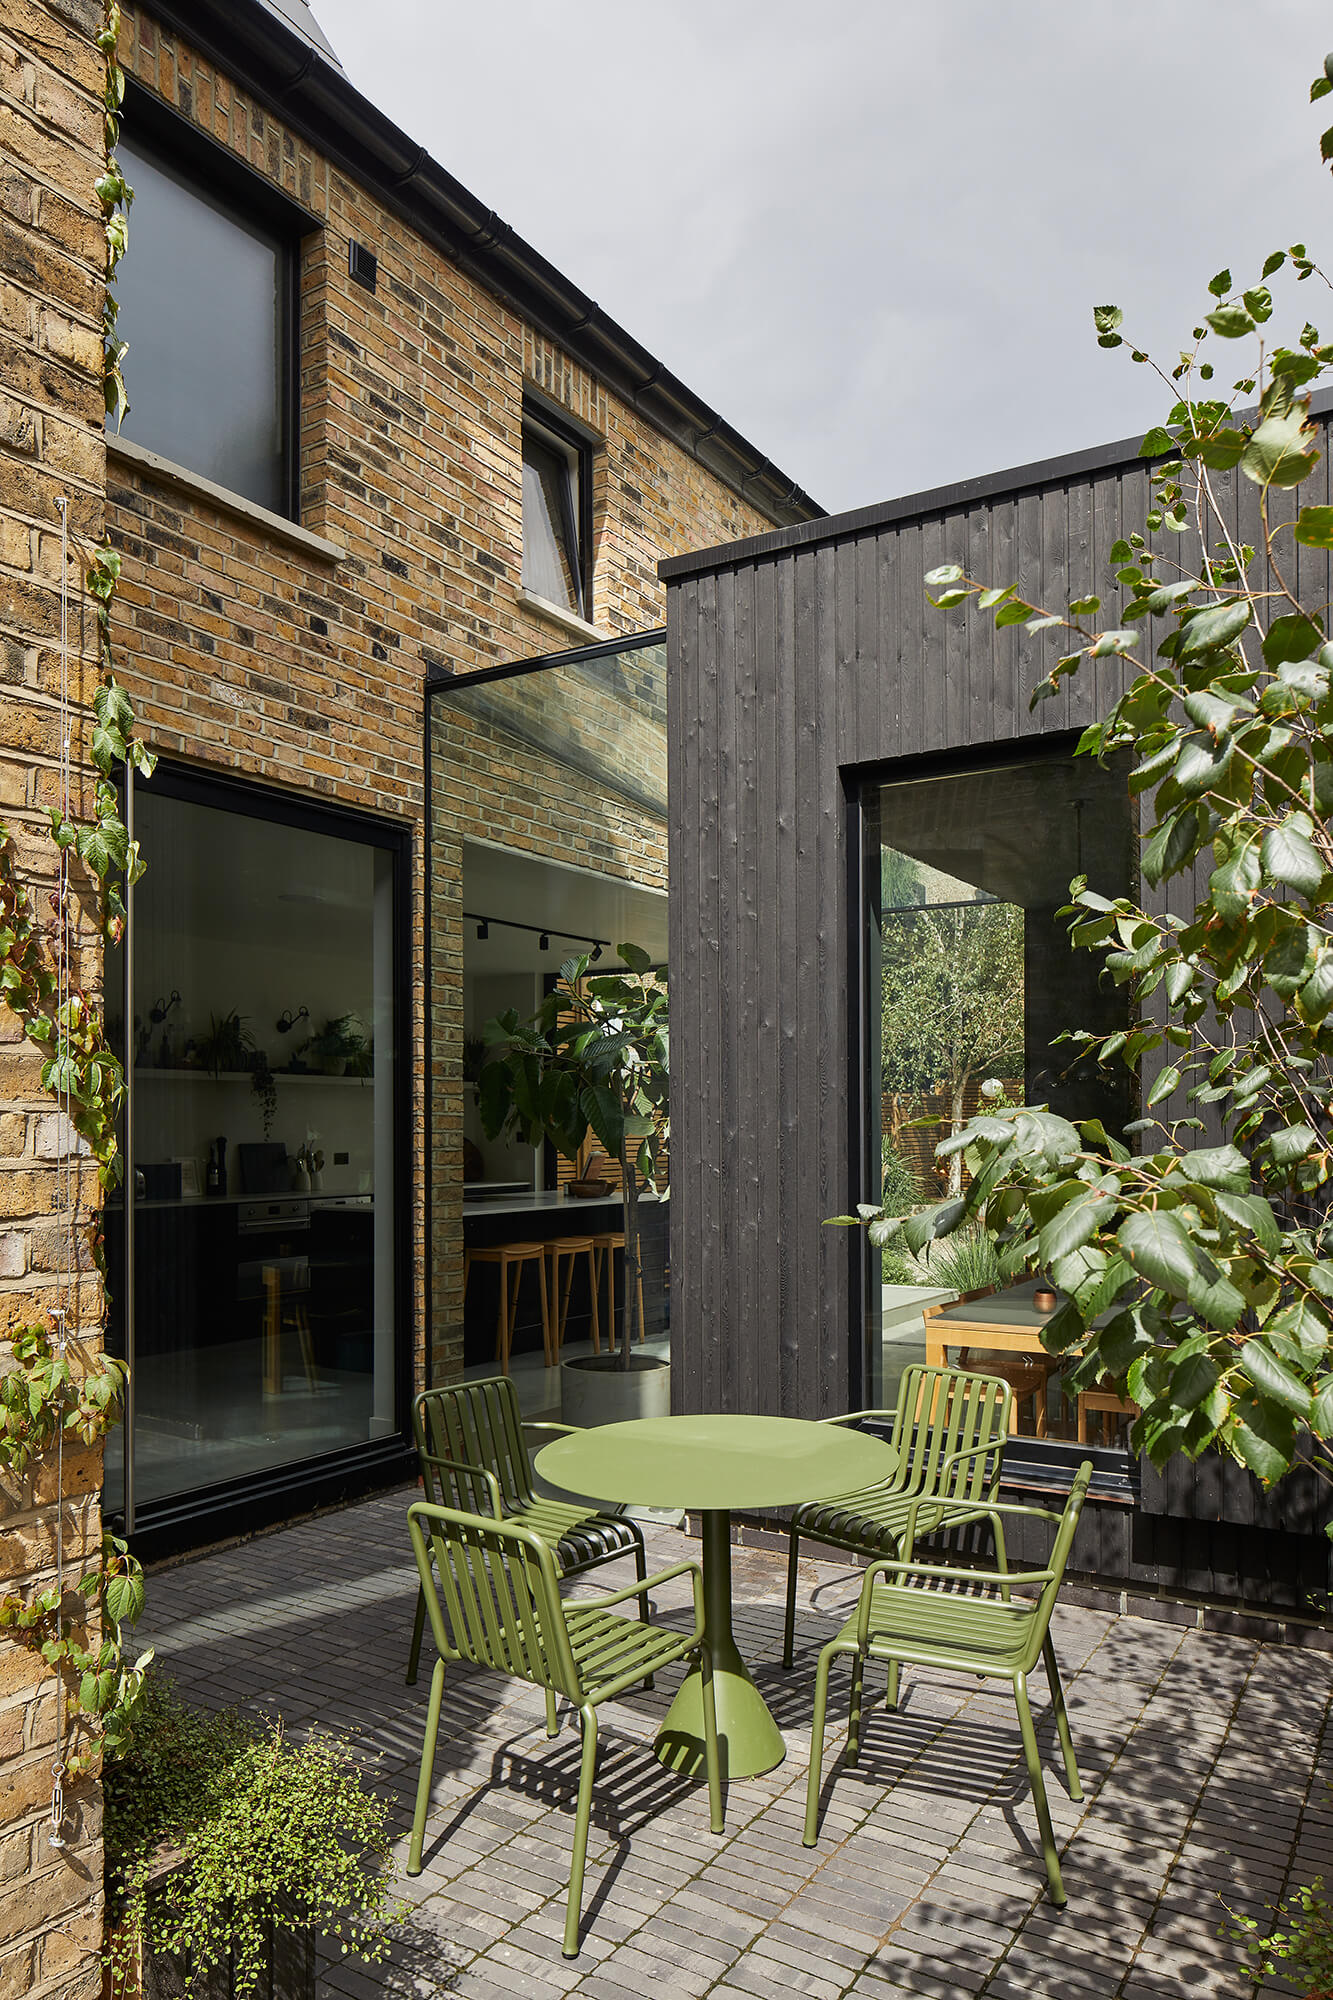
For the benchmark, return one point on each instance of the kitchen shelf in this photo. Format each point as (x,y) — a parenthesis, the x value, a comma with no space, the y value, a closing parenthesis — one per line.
(243,1076)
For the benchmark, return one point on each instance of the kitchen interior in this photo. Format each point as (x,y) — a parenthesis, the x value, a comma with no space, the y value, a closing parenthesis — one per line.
(523,916)
(260,1052)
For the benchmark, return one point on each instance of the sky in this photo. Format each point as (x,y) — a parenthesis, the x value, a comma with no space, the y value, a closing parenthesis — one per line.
(871,232)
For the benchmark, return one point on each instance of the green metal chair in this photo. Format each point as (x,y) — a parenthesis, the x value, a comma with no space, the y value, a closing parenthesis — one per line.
(472,1449)
(969,1621)
(500,1590)
(949,1428)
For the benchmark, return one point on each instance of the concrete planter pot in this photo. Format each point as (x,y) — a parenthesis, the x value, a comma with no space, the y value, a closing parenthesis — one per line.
(597,1389)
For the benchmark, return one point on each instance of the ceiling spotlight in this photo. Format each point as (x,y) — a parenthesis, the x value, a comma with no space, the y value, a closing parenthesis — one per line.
(595,953)
(544,941)
(483,929)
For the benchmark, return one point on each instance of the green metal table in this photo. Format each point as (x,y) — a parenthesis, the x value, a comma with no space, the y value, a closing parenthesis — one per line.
(711,1465)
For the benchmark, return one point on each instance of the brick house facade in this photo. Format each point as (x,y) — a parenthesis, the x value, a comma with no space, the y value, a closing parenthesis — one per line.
(289,651)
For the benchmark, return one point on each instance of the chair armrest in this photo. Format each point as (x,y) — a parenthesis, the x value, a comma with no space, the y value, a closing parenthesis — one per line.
(559,1430)
(471,1472)
(687,1568)
(945,1572)
(862,1416)
(952,1458)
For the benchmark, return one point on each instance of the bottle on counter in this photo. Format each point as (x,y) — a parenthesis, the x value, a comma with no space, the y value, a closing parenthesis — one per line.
(212,1182)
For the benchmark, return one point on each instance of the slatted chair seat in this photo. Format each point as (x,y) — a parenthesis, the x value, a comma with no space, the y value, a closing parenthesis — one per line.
(492,1592)
(965,1621)
(948,1428)
(473,1454)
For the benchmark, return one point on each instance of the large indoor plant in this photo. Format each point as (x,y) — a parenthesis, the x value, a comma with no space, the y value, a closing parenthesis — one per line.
(594,1059)
(229,1847)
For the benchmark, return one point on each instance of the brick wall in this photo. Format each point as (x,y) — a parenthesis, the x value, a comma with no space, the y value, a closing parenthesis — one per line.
(250,654)
(51,260)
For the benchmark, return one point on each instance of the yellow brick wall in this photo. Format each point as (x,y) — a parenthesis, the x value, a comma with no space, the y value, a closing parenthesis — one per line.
(249,655)
(51,262)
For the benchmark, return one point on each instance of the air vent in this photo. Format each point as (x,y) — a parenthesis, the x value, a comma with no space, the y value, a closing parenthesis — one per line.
(362,265)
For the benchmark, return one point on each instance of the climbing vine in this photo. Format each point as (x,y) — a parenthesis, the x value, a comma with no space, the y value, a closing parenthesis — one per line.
(62,1387)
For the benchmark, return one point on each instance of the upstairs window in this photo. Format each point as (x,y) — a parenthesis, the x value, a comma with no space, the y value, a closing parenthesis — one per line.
(207,307)
(556,503)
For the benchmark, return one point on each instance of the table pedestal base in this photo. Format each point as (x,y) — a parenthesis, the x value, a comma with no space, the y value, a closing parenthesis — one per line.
(749,1741)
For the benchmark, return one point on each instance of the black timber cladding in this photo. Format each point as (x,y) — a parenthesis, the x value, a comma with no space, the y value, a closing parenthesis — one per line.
(796,662)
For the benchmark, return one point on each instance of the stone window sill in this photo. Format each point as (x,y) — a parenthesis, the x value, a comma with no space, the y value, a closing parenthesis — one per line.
(568,621)
(276,527)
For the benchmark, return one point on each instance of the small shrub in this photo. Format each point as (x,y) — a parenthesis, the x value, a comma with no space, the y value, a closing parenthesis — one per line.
(895,1270)
(966,1261)
(267,1831)
(1301,1951)
(899,1190)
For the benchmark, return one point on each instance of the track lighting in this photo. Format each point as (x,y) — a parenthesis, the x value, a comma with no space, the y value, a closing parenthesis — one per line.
(544,941)
(483,929)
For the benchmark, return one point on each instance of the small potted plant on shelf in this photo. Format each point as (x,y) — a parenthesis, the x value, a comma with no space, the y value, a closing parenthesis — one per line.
(228,1044)
(594,1059)
(229,1847)
(340,1048)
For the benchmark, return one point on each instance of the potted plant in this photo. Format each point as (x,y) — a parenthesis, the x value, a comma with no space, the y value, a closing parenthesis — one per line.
(340,1048)
(228,1846)
(228,1043)
(594,1059)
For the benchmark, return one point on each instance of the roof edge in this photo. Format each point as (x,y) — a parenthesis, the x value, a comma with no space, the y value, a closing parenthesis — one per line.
(283,71)
(934,500)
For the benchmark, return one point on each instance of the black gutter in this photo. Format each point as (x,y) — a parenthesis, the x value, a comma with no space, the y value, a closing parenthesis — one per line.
(279,69)
(935,500)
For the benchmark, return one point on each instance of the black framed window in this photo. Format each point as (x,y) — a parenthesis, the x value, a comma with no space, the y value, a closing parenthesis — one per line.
(208,306)
(557,497)
(970,980)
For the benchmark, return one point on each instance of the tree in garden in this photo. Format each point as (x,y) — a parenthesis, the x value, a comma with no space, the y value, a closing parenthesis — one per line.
(593,1058)
(952,1009)
(1209,1249)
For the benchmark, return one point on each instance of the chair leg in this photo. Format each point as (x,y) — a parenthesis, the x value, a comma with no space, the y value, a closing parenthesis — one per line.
(891,1692)
(640,1572)
(811,1833)
(716,1819)
(592,1294)
(596,1256)
(789,1629)
(418,1627)
(552,1719)
(854,1713)
(1038,1783)
(1061,1719)
(1001,1554)
(582,1814)
(427,1767)
(502,1322)
(548,1341)
(643,1325)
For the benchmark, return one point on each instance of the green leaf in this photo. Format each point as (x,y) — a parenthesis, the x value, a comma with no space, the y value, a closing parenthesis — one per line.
(1208,631)
(1216,1300)
(1155,443)
(1223,1167)
(1014,612)
(1235,884)
(1252,1215)
(1280,453)
(1273,1378)
(1315,527)
(1289,857)
(946,573)
(1159,1250)
(1220,285)
(1164,1083)
(1291,1144)
(1232,322)
(1193,1380)
(1106,318)
(635,957)
(1074,1225)
(1293,637)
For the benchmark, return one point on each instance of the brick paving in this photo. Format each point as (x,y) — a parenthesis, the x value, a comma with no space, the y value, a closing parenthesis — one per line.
(1205,1761)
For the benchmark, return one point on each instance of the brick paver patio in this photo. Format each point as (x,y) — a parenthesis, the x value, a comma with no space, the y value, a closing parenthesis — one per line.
(1204,1759)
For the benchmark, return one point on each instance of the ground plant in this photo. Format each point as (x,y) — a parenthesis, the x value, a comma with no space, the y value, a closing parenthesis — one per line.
(222,1830)
(593,1058)
(1195,1251)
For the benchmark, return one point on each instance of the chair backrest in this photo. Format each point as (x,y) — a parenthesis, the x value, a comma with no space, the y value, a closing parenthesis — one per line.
(943,1411)
(1064,1542)
(495,1581)
(478,1423)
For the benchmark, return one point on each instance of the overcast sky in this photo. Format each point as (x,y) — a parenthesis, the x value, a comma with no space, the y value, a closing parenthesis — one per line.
(871,232)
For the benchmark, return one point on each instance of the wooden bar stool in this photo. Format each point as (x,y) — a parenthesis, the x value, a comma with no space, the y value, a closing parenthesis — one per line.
(511,1257)
(607,1246)
(565,1250)
(284,1309)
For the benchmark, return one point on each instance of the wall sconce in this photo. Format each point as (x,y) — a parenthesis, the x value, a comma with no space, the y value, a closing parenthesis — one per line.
(286,1021)
(483,928)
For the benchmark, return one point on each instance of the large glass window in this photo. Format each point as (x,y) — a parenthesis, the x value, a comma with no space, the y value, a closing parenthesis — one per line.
(973,979)
(204,307)
(263,1050)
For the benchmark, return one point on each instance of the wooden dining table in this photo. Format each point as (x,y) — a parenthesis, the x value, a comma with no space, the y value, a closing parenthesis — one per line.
(1006,1322)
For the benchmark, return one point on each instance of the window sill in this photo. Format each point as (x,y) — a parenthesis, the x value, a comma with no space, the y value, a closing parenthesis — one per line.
(276,527)
(569,621)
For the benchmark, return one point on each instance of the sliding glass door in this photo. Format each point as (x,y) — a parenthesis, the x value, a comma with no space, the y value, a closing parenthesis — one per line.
(255,1259)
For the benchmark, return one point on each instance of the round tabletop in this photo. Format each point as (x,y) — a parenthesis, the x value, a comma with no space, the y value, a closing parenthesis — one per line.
(716,1462)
